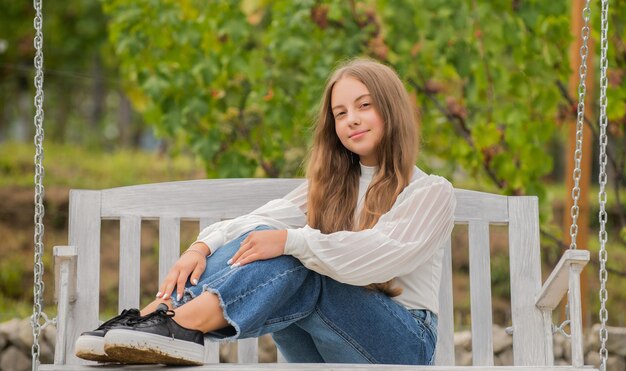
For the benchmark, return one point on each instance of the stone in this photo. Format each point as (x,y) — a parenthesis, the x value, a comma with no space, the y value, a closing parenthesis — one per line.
(464,358)
(267,349)
(567,350)
(23,336)
(46,353)
(9,327)
(592,338)
(616,342)
(593,359)
(557,347)
(228,352)
(615,363)
(49,334)
(13,359)
(463,340)
(505,358)
(501,340)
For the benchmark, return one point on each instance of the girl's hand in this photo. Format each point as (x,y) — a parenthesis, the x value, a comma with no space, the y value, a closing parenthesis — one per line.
(260,245)
(190,265)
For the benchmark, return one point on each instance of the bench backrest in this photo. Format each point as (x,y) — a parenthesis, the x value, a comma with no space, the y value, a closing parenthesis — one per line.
(208,201)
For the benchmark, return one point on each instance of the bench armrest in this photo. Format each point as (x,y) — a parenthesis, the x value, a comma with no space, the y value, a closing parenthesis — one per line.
(557,284)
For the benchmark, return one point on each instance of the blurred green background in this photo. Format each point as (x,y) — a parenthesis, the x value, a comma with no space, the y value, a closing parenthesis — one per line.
(161,90)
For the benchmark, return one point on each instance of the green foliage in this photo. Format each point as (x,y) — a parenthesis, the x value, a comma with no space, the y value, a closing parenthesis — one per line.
(238,82)
(485,78)
(12,272)
(238,89)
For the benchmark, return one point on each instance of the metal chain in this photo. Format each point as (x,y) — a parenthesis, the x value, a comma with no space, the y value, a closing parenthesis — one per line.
(39,189)
(602,178)
(580,117)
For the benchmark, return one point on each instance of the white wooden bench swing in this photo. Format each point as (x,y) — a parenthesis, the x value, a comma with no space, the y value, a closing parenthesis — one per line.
(532,302)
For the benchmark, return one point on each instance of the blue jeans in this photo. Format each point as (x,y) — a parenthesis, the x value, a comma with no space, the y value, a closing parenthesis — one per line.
(313,318)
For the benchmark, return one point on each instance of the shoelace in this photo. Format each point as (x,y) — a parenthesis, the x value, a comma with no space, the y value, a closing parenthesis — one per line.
(116,319)
(159,315)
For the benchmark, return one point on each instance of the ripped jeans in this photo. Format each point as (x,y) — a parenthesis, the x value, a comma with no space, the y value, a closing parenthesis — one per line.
(311,317)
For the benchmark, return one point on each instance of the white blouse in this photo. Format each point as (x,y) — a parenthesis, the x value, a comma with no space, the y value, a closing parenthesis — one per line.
(406,243)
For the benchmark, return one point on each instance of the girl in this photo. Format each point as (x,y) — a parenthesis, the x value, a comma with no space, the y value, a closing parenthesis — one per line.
(345,268)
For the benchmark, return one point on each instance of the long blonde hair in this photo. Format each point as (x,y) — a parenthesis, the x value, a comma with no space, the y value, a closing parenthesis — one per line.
(333,171)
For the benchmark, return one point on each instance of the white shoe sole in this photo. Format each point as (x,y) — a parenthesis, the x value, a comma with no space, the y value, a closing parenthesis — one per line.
(91,348)
(130,346)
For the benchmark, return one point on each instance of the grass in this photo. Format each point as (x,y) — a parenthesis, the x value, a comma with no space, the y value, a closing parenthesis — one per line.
(77,167)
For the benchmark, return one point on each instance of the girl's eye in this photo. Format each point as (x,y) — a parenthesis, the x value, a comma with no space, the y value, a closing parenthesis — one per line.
(365,104)
(339,114)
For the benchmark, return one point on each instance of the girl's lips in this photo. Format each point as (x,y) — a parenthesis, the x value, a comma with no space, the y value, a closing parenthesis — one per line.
(358,134)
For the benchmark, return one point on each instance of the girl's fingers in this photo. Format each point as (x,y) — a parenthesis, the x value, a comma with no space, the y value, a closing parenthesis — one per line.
(249,258)
(245,246)
(237,260)
(167,291)
(197,272)
(180,286)
(167,282)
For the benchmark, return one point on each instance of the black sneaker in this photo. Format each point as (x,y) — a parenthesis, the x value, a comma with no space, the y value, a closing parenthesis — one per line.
(156,338)
(90,344)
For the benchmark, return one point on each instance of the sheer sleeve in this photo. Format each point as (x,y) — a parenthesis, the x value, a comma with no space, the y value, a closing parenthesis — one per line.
(283,213)
(406,236)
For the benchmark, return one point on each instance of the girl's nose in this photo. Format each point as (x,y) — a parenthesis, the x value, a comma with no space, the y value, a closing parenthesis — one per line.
(353,119)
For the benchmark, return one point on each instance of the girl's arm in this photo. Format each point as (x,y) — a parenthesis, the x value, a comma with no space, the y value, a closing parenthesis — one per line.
(283,213)
(405,237)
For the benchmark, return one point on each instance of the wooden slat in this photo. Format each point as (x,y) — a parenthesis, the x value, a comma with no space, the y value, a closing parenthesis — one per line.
(480,293)
(211,349)
(525,266)
(472,205)
(248,350)
(576,323)
(195,199)
(169,244)
(547,334)
(445,334)
(84,234)
(130,262)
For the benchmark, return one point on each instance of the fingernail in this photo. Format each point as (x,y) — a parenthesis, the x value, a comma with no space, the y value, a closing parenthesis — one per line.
(165,296)
(194,281)
(229,262)
(236,265)
(158,294)
(178,297)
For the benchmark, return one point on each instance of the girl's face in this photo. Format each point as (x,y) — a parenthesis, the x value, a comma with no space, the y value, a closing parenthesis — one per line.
(357,122)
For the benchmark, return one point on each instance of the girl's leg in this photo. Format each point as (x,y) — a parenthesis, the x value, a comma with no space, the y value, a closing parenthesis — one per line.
(297,345)
(248,301)
(252,300)
(259,298)
(215,264)
(356,325)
